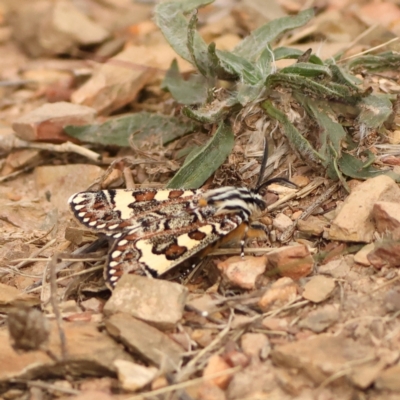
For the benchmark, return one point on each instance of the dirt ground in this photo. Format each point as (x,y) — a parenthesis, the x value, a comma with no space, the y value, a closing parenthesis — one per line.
(310,312)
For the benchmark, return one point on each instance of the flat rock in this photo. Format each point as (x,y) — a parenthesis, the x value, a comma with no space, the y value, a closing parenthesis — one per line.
(318,288)
(158,302)
(145,340)
(254,344)
(313,226)
(216,364)
(117,82)
(90,352)
(11,296)
(281,222)
(354,222)
(321,318)
(47,122)
(361,257)
(322,356)
(292,261)
(385,254)
(134,376)
(337,268)
(47,28)
(243,272)
(389,379)
(282,291)
(387,218)
(56,183)
(254,382)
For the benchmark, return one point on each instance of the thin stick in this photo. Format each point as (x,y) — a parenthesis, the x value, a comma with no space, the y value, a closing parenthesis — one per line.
(190,366)
(370,50)
(287,234)
(129,183)
(34,254)
(299,194)
(67,147)
(56,310)
(86,271)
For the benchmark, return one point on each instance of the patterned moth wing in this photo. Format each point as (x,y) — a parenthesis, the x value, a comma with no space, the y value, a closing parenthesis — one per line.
(156,230)
(156,253)
(115,211)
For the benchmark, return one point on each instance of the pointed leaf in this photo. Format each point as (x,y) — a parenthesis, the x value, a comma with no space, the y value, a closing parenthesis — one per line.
(143,126)
(307,69)
(201,165)
(170,18)
(295,139)
(251,47)
(192,91)
(355,168)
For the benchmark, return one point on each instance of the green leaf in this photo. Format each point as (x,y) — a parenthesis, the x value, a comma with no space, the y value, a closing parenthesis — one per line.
(343,77)
(304,85)
(295,139)
(355,168)
(251,47)
(198,49)
(375,110)
(281,53)
(239,66)
(192,91)
(200,166)
(307,69)
(143,126)
(265,64)
(170,18)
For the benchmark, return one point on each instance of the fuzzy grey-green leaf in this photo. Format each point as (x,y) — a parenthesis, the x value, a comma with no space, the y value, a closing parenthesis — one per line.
(201,165)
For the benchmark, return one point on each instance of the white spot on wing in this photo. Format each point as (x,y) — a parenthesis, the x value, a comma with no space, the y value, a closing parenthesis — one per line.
(122,199)
(122,242)
(112,264)
(116,253)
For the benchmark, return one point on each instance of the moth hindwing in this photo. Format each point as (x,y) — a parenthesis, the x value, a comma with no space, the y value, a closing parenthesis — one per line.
(152,231)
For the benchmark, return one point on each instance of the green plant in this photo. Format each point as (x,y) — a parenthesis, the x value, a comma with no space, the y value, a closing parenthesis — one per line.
(322,88)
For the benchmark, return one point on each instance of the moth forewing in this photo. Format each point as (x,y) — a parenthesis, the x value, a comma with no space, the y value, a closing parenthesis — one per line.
(115,210)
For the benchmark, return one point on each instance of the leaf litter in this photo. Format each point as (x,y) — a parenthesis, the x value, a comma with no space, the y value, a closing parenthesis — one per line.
(306,300)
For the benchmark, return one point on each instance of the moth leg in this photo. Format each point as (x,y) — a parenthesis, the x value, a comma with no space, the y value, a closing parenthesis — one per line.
(243,240)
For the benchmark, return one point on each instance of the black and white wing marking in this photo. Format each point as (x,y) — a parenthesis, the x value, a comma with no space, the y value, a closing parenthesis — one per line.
(114,211)
(158,252)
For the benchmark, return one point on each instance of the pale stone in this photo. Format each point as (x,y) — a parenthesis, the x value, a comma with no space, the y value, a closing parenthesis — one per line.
(134,376)
(158,302)
(318,288)
(354,221)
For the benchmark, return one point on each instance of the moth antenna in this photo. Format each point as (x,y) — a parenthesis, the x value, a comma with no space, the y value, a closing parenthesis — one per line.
(263,164)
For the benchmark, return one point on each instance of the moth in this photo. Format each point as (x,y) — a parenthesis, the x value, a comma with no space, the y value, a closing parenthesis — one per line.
(153,231)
